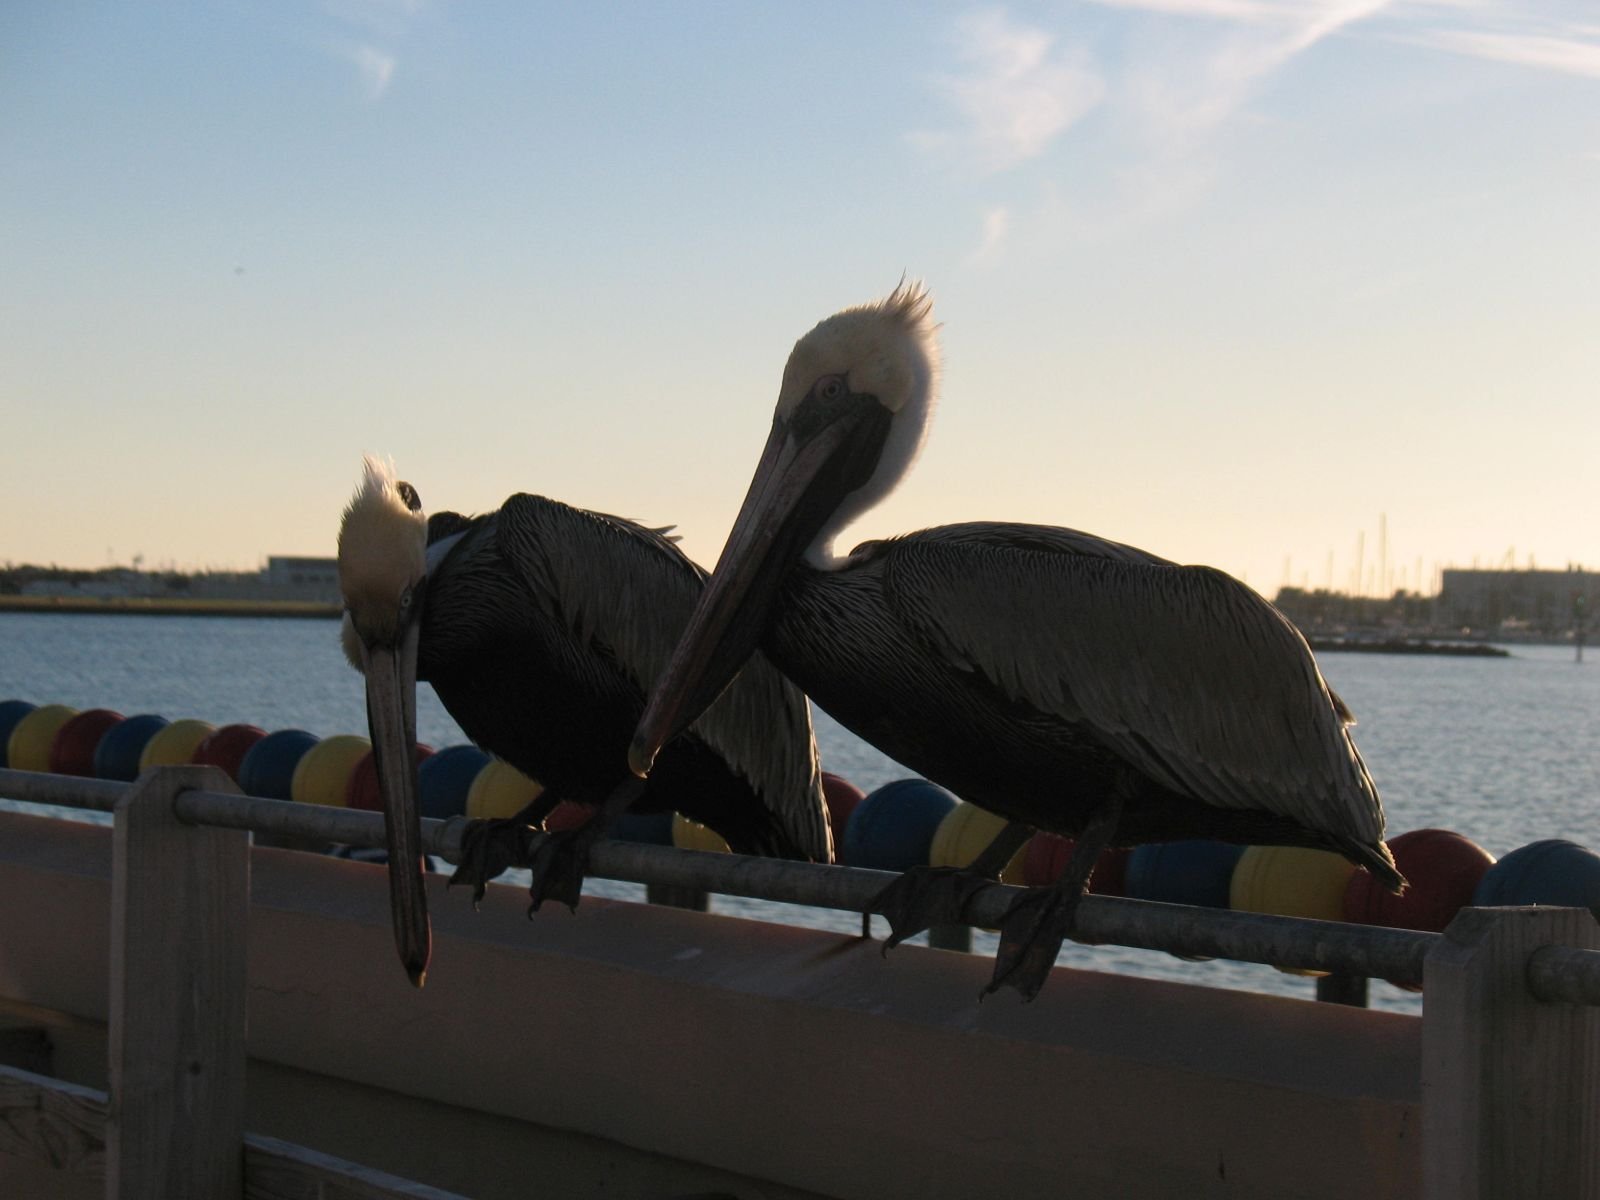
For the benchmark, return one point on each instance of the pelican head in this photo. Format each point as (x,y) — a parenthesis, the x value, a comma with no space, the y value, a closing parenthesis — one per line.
(382,570)
(852,409)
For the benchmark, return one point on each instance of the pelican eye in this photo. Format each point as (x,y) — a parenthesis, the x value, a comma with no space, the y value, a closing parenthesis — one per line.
(831,387)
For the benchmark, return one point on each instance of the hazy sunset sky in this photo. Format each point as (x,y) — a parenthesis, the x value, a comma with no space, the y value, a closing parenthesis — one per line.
(1227,279)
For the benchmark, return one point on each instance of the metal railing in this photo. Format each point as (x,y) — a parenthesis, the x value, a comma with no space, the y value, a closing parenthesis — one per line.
(1555,973)
(1510,1031)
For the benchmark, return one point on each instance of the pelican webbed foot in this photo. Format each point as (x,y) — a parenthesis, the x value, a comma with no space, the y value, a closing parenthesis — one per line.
(560,860)
(1042,918)
(491,847)
(1030,939)
(923,897)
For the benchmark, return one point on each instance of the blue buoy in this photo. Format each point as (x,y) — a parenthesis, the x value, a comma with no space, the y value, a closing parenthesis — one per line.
(11,711)
(1554,872)
(117,754)
(892,829)
(654,829)
(445,778)
(268,768)
(1193,872)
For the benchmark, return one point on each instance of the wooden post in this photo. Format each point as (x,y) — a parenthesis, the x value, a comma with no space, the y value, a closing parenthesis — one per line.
(1510,1084)
(1342,988)
(677,897)
(180,897)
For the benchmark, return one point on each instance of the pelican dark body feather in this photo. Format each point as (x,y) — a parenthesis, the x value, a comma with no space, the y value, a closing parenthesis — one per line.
(1066,682)
(945,630)
(542,627)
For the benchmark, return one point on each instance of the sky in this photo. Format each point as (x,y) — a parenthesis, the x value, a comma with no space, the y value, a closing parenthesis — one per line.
(1264,284)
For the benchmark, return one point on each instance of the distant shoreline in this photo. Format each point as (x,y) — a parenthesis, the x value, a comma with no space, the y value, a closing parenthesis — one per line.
(1407,646)
(163,606)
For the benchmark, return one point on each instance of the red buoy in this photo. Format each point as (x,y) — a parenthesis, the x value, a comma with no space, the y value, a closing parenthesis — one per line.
(72,748)
(362,789)
(841,797)
(1442,870)
(226,747)
(1046,855)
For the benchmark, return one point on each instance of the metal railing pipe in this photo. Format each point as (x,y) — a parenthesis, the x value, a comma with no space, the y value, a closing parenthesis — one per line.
(1554,973)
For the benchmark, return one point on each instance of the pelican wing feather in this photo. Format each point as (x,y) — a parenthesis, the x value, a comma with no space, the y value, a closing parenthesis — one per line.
(634,611)
(1191,676)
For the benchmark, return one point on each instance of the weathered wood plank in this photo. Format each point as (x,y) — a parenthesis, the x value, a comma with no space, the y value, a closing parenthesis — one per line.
(48,1121)
(1510,1084)
(179,910)
(63,1126)
(277,1170)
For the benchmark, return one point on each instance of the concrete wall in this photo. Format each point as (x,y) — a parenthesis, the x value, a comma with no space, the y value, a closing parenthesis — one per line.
(659,1052)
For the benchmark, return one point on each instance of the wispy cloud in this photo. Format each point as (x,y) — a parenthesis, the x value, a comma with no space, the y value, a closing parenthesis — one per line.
(374,29)
(1573,53)
(376,68)
(1018,92)
(1185,96)
(996,224)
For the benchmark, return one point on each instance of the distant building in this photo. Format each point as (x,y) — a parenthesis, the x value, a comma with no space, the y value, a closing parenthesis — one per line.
(319,574)
(1542,602)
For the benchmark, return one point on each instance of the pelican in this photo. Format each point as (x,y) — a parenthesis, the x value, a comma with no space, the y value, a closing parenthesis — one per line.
(1065,682)
(541,626)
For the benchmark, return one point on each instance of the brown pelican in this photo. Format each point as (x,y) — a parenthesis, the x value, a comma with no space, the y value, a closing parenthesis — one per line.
(1063,681)
(541,626)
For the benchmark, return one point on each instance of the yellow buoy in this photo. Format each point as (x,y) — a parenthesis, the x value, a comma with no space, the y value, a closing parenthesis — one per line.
(499,790)
(322,776)
(691,835)
(1291,881)
(28,748)
(174,743)
(965,833)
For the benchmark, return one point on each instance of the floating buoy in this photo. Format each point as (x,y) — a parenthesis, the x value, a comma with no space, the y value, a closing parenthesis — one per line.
(500,791)
(1198,872)
(1291,881)
(11,711)
(267,769)
(174,743)
(322,776)
(569,814)
(1554,871)
(892,828)
(362,789)
(226,747)
(72,749)
(841,797)
(444,780)
(28,747)
(965,833)
(1046,855)
(117,756)
(1442,870)
(691,835)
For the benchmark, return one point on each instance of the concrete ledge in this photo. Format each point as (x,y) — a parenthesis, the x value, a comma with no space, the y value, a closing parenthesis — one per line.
(775,1053)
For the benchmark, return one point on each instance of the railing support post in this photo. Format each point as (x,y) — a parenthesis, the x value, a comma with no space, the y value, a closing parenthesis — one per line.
(180,902)
(1510,1084)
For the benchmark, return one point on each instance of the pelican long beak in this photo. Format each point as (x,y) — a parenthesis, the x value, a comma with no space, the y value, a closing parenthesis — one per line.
(799,483)
(391,673)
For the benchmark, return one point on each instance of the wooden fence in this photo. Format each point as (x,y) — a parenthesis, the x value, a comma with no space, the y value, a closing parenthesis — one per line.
(1510,1033)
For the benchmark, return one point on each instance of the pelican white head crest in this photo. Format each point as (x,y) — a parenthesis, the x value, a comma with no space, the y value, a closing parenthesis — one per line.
(887,352)
(383,541)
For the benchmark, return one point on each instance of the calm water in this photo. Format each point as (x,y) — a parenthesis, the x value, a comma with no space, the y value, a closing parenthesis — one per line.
(1506,751)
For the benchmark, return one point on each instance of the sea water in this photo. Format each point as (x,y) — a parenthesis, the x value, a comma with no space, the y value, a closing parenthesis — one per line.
(1503,750)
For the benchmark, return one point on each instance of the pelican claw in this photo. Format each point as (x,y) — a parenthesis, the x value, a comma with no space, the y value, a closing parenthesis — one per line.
(1030,939)
(924,897)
